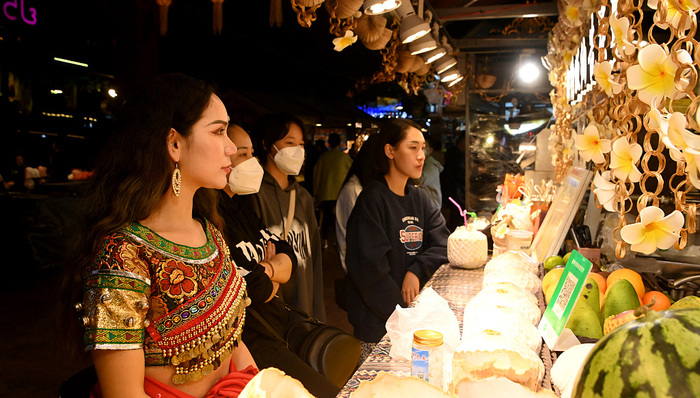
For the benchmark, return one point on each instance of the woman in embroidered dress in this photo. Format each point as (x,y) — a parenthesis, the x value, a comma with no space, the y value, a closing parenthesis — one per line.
(162,305)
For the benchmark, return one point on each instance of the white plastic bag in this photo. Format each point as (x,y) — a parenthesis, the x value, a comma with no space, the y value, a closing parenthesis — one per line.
(431,312)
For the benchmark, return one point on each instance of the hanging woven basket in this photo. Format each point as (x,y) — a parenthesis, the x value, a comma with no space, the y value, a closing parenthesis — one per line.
(345,8)
(405,62)
(418,64)
(381,42)
(370,28)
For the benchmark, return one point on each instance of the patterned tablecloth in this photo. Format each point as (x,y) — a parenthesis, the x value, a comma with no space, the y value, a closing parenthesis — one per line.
(457,286)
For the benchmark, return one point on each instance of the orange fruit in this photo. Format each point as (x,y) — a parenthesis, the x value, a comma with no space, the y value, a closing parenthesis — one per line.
(600,280)
(551,278)
(661,301)
(632,276)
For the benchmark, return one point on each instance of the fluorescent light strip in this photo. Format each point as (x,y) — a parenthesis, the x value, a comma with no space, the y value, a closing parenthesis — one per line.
(68,61)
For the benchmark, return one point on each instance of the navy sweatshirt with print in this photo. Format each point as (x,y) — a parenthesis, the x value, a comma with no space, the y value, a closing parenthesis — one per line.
(387,235)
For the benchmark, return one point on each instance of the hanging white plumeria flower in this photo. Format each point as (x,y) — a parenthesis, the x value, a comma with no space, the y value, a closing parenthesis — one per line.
(653,231)
(342,42)
(654,76)
(604,190)
(591,146)
(624,158)
(675,10)
(682,144)
(602,71)
(620,32)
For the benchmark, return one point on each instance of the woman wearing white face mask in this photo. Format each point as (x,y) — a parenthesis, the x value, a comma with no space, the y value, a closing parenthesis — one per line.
(266,262)
(287,208)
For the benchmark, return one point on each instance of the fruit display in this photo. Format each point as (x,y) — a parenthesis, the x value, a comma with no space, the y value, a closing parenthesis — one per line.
(467,248)
(653,356)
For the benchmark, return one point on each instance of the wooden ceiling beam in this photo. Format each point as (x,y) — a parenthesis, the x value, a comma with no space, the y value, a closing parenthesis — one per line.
(505,44)
(499,11)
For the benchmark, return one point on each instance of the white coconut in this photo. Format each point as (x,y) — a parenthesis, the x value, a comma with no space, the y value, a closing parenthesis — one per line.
(567,366)
(498,387)
(389,385)
(516,276)
(508,322)
(272,382)
(512,258)
(491,354)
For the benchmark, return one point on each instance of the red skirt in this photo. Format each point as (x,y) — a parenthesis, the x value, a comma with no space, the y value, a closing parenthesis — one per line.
(229,386)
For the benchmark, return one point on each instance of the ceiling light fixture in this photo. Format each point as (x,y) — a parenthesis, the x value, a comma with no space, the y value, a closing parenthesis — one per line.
(455,81)
(434,55)
(413,27)
(444,64)
(68,61)
(528,72)
(376,7)
(422,45)
(449,75)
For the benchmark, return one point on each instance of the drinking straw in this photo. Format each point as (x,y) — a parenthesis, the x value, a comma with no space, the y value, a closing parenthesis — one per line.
(462,213)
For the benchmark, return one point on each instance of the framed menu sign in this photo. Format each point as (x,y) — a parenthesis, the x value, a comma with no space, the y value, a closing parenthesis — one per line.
(560,215)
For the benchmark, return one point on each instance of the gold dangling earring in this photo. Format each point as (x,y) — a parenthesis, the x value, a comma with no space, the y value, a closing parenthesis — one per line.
(176,181)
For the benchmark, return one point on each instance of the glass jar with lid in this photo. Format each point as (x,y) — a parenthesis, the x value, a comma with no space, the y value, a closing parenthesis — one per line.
(426,356)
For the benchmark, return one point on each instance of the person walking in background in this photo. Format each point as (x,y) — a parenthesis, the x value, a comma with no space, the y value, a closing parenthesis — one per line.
(329,174)
(266,262)
(429,179)
(361,173)
(396,236)
(313,150)
(453,182)
(287,208)
(162,305)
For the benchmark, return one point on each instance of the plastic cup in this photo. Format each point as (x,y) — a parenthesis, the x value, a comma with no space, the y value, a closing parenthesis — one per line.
(518,239)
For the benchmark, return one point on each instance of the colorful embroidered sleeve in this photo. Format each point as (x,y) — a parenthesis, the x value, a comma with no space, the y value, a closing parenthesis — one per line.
(116,290)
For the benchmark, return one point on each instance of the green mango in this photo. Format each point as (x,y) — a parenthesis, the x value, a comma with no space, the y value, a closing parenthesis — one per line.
(591,293)
(686,302)
(619,298)
(584,321)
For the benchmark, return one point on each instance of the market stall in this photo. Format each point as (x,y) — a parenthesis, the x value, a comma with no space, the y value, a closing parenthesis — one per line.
(456,285)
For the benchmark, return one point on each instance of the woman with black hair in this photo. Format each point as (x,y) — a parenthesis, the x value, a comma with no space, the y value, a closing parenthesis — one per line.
(396,236)
(161,303)
(287,209)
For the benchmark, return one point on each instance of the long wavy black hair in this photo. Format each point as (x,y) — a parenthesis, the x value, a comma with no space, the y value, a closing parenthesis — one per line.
(132,174)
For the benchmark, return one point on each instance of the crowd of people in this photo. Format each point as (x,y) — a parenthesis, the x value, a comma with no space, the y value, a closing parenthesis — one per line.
(196,237)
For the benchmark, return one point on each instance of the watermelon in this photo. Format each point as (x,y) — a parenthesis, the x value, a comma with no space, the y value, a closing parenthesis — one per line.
(657,355)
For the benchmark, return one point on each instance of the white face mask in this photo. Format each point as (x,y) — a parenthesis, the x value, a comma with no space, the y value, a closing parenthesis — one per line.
(245,178)
(290,159)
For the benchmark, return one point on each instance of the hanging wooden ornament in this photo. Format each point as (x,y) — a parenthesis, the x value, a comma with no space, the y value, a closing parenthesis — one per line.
(218,16)
(276,13)
(306,11)
(163,6)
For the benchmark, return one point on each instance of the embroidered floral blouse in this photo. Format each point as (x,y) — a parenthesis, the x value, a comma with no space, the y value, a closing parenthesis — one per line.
(184,306)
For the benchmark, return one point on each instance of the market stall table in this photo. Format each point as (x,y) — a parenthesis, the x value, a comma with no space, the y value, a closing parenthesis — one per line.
(457,286)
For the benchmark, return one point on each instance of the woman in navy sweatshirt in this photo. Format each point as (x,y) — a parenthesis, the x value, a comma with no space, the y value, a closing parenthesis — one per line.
(396,236)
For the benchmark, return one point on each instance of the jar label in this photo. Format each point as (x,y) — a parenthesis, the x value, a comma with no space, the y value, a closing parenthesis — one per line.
(420,363)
